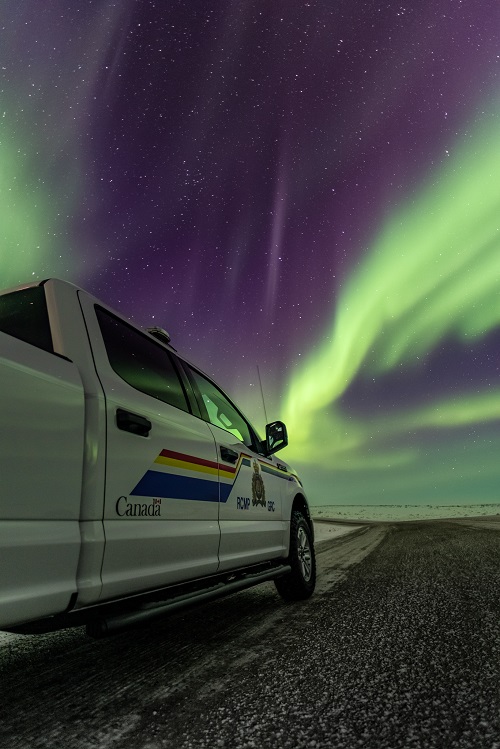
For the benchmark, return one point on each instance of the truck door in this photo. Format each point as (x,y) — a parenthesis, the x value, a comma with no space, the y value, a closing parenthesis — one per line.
(251,486)
(162,487)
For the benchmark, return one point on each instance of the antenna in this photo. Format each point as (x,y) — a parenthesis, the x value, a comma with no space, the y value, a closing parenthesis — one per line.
(262,394)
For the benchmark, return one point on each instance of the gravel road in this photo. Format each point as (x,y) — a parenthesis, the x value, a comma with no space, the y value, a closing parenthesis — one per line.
(399,647)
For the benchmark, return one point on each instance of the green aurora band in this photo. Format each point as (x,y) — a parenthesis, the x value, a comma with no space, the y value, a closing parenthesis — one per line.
(45,161)
(432,274)
(34,211)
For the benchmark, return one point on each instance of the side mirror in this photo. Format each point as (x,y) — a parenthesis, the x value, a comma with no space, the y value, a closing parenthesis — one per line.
(276,437)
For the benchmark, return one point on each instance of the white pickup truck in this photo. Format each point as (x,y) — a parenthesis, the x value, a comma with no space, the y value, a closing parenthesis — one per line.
(130,484)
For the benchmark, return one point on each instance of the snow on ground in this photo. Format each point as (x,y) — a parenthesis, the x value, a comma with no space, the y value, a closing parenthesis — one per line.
(384,513)
(324,530)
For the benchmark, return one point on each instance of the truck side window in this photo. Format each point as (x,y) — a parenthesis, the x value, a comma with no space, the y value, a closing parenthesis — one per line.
(220,411)
(23,314)
(141,362)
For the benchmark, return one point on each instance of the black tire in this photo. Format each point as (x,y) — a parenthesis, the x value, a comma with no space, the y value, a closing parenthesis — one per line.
(299,584)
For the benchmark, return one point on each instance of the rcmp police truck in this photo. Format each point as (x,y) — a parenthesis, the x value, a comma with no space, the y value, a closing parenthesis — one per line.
(130,484)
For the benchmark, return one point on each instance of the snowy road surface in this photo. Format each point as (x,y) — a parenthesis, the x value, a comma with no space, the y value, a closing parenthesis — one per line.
(324,530)
(399,648)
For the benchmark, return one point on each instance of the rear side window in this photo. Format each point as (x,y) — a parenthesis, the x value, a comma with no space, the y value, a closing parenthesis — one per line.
(141,362)
(23,314)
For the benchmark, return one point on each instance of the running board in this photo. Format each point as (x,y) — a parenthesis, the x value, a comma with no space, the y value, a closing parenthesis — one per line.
(105,625)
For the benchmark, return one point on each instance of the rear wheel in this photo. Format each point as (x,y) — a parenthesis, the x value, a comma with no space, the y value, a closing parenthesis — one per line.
(299,584)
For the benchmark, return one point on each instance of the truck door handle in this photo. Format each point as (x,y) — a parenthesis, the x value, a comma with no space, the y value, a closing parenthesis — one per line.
(134,423)
(230,456)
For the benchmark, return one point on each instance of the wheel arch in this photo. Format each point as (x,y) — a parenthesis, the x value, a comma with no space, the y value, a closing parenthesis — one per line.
(300,505)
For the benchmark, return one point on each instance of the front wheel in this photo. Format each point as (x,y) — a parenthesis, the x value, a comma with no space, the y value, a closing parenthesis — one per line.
(299,584)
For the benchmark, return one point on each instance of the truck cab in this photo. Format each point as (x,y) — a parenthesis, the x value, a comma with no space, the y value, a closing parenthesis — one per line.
(128,475)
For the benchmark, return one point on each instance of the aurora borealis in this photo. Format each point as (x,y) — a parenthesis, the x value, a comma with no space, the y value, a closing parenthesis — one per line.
(310,187)
(433,271)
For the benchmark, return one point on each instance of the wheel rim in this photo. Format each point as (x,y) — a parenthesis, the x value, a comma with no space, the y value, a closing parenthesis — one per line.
(304,554)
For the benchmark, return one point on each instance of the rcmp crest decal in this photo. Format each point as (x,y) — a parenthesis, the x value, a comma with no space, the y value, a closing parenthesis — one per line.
(258,489)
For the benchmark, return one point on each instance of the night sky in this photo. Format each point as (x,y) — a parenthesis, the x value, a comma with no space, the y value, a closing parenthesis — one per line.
(312,188)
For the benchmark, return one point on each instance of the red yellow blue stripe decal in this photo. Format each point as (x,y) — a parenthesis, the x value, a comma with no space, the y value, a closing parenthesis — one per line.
(199,479)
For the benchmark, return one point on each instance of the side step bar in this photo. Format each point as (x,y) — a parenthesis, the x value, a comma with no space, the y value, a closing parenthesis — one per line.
(103,625)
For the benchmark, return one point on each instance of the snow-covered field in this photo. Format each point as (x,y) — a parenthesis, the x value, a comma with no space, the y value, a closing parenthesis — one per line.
(404,512)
